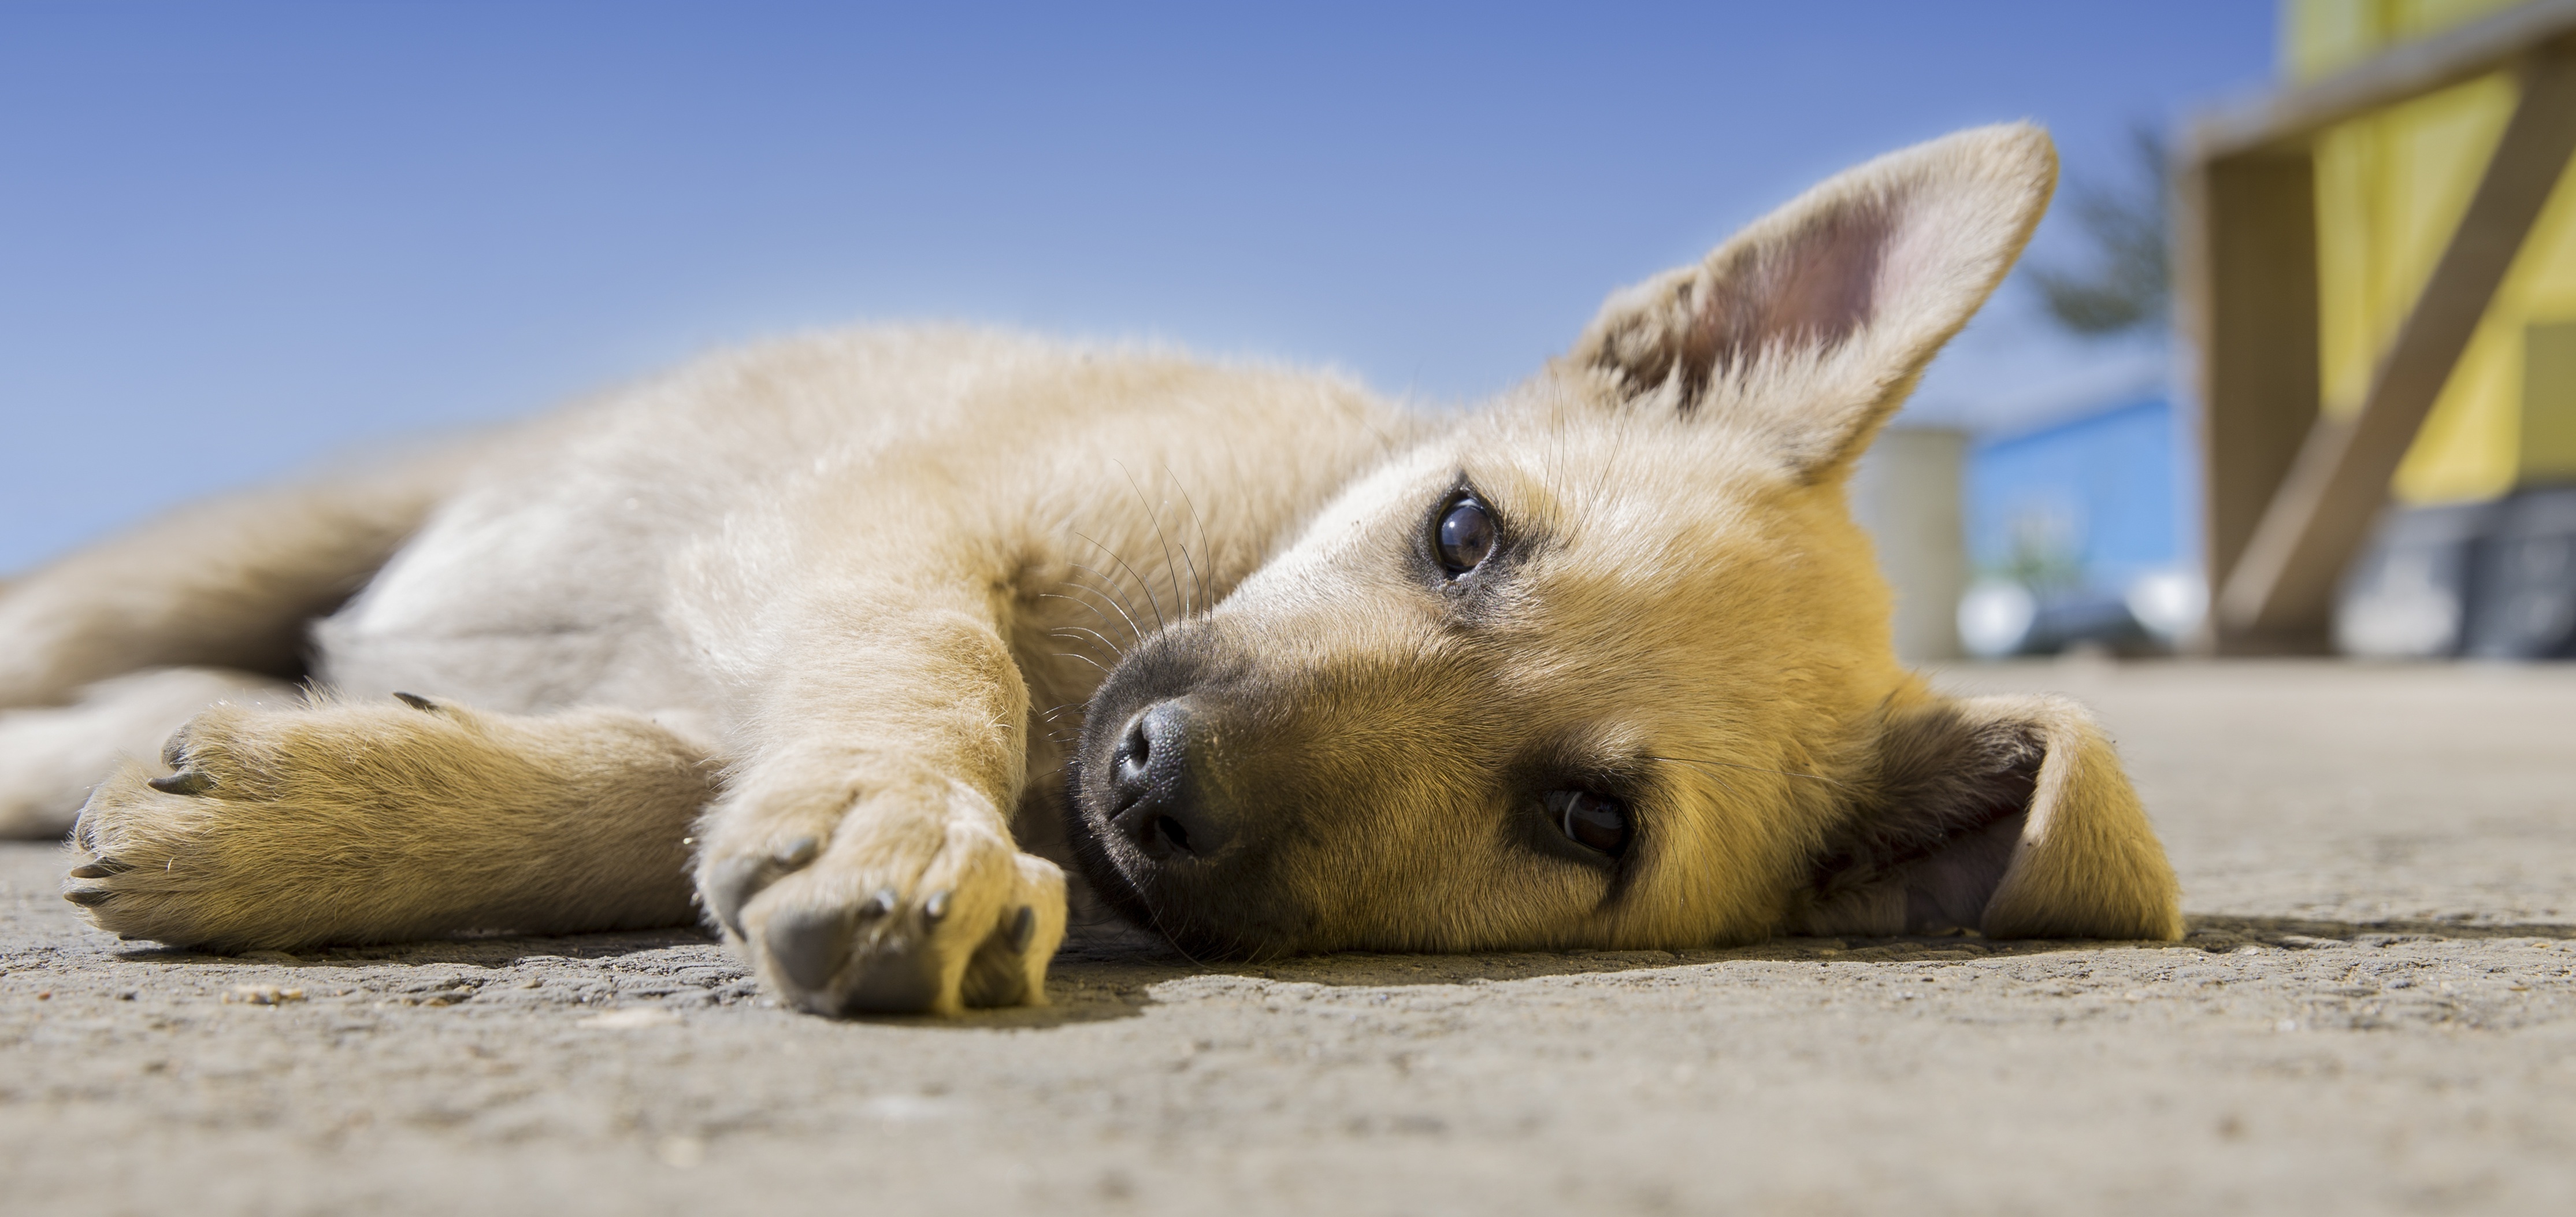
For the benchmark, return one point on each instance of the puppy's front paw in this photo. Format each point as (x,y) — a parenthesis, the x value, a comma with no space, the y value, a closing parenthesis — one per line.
(912,904)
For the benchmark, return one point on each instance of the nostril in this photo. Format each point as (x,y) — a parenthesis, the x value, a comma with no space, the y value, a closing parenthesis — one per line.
(1152,799)
(1152,752)
(1135,753)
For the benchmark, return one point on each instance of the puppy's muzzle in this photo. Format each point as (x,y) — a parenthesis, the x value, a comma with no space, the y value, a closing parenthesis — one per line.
(1159,802)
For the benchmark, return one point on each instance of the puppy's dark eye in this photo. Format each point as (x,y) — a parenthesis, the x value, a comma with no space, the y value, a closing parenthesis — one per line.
(1589,820)
(1466,536)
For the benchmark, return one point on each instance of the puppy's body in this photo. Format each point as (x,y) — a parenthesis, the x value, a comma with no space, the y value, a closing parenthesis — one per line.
(645,550)
(840,602)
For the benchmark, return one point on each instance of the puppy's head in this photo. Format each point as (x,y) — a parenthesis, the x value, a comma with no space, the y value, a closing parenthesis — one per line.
(1608,664)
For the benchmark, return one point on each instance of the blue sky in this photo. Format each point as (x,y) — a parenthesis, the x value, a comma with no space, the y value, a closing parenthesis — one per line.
(236,239)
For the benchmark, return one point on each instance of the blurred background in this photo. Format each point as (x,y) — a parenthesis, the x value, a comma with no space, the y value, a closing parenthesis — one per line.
(237,240)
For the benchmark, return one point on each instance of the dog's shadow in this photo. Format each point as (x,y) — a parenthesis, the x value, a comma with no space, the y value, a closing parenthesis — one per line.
(1109,973)
(1112,976)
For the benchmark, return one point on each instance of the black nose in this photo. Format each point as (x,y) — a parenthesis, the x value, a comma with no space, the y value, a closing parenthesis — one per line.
(1159,801)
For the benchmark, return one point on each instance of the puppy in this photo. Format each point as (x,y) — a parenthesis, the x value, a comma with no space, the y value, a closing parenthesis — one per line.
(851,643)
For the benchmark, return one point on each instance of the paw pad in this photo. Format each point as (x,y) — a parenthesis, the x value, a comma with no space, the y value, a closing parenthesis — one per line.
(857,929)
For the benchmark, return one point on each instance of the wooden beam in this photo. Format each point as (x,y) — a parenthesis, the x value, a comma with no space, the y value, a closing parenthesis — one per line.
(2246,290)
(2285,122)
(2284,582)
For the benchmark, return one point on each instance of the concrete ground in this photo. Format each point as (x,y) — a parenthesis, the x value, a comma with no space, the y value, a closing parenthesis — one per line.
(2375,1012)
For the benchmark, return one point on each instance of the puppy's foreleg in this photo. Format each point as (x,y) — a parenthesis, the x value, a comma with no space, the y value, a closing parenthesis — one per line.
(384,821)
(862,856)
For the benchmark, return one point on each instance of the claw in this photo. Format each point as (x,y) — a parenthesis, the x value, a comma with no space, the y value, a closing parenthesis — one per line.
(797,852)
(878,905)
(186,781)
(417,702)
(935,908)
(89,897)
(997,975)
(100,869)
(731,884)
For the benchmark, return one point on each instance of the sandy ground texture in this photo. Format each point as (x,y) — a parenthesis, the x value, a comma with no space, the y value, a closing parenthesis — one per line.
(2375,1012)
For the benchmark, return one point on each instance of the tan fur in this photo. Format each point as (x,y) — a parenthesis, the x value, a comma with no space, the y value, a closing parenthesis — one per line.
(843,600)
(319,825)
(2086,865)
(228,584)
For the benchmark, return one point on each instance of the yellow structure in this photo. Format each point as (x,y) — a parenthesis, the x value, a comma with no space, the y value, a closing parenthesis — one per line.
(2390,188)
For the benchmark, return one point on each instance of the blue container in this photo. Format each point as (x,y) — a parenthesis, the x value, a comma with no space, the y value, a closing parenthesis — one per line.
(2093,502)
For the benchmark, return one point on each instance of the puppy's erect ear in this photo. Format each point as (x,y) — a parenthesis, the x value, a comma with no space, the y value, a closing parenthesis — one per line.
(2006,815)
(1809,327)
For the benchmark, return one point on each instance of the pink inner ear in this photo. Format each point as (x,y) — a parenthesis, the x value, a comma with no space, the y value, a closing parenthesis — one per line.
(1812,290)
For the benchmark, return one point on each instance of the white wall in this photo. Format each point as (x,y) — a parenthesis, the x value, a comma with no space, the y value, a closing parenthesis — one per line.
(1906,493)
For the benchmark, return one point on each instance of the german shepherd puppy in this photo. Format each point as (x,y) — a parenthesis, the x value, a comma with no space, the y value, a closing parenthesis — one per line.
(793,640)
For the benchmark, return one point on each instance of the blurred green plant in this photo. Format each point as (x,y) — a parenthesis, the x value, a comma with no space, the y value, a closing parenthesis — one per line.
(2047,548)
(2125,283)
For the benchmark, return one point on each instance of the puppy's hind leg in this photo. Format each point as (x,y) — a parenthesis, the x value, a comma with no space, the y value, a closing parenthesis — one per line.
(231,583)
(50,757)
(377,822)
